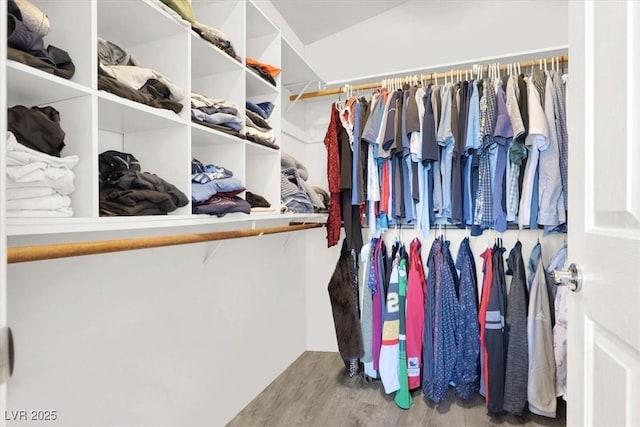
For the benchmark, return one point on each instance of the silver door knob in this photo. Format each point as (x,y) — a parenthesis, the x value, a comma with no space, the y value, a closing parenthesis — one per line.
(571,278)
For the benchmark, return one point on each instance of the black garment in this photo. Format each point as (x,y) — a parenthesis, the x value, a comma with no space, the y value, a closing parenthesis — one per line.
(256,200)
(361,176)
(262,73)
(388,143)
(397,144)
(137,192)
(430,149)
(413,117)
(344,306)
(37,128)
(523,104)
(144,96)
(459,130)
(495,336)
(62,68)
(112,164)
(517,365)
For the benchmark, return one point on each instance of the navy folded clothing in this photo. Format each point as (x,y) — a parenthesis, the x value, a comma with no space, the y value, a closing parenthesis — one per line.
(221,206)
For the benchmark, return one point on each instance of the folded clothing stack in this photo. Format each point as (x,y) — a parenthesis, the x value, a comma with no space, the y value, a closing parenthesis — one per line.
(119,73)
(216,113)
(266,71)
(38,184)
(26,27)
(214,190)
(126,190)
(296,193)
(257,127)
(217,38)
(183,10)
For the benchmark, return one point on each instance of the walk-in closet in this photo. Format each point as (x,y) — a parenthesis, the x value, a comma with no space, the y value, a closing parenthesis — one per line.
(304,213)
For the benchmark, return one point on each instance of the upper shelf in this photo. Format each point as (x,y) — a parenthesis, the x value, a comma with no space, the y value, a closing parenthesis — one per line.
(295,69)
(121,115)
(258,25)
(257,86)
(207,59)
(134,23)
(30,86)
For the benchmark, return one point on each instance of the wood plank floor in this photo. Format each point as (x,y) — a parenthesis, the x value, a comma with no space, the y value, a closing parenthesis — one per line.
(314,391)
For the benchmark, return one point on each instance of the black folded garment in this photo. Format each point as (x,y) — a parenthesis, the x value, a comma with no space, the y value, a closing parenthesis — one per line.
(112,164)
(37,128)
(262,73)
(256,200)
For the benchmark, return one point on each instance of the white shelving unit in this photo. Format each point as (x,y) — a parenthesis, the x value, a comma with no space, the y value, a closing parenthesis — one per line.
(163,141)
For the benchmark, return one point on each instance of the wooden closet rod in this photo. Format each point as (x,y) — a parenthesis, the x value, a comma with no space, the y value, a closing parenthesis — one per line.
(428,76)
(65,250)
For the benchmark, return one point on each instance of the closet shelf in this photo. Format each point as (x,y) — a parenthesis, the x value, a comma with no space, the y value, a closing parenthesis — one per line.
(51,226)
(205,136)
(208,59)
(258,25)
(257,86)
(30,86)
(253,148)
(296,71)
(134,23)
(117,114)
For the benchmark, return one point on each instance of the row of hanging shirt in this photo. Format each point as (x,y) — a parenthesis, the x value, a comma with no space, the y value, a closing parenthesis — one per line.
(479,153)
(432,331)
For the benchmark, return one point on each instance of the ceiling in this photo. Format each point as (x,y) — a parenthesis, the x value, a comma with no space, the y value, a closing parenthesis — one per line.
(313,20)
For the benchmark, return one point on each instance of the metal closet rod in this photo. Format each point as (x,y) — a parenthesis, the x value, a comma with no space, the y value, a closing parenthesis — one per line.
(65,250)
(428,76)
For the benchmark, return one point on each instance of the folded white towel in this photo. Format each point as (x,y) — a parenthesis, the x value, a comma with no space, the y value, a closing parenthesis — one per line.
(28,192)
(28,213)
(52,202)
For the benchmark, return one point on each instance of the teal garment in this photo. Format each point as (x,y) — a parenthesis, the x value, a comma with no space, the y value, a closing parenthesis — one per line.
(403,396)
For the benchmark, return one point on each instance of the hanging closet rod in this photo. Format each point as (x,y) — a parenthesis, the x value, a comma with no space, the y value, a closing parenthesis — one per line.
(428,76)
(65,250)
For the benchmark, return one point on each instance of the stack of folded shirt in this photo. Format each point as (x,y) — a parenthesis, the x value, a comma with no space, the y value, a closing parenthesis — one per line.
(216,113)
(38,184)
(119,73)
(125,190)
(26,26)
(217,38)
(214,190)
(257,127)
(296,193)
(266,71)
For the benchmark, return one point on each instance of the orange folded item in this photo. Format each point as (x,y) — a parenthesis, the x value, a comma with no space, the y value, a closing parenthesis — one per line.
(272,70)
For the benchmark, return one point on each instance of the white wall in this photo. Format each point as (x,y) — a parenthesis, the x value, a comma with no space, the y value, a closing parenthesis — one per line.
(156,337)
(420,34)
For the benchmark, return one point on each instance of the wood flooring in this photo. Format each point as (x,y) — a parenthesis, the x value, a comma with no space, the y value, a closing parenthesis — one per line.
(314,391)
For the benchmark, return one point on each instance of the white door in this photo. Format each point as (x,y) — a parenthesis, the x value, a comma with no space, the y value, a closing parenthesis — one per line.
(4,350)
(603,98)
